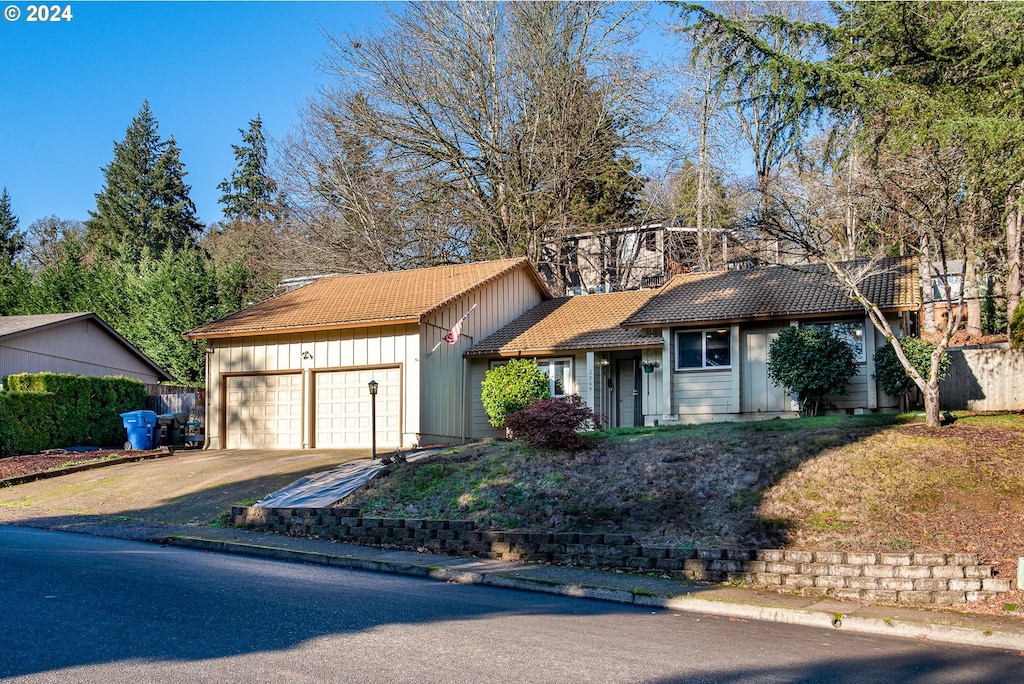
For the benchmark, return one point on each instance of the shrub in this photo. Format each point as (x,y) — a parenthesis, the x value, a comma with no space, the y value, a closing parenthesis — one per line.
(812,362)
(511,387)
(1017,328)
(26,422)
(553,423)
(86,410)
(891,374)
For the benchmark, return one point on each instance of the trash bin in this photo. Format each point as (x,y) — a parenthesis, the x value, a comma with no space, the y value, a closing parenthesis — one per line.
(169,429)
(139,425)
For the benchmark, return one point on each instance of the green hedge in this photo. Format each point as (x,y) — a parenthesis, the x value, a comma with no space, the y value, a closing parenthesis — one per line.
(83,411)
(26,422)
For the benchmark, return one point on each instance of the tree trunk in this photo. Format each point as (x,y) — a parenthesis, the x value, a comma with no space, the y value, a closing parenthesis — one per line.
(932,414)
(1014,221)
(924,268)
(971,297)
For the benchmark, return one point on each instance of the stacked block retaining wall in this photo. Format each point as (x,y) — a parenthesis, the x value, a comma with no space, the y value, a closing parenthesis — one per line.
(933,578)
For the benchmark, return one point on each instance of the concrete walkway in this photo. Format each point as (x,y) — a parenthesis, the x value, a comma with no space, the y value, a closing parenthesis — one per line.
(73,503)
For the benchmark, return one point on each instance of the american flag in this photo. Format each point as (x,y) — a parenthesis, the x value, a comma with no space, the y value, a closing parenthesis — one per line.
(453,335)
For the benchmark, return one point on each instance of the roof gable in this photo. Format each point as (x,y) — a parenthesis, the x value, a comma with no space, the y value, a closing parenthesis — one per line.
(571,323)
(778,292)
(358,300)
(15,326)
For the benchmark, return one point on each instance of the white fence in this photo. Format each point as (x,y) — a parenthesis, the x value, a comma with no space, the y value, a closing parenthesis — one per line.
(984,380)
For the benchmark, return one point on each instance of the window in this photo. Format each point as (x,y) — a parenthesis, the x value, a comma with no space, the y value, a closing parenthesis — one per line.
(696,349)
(851,332)
(651,241)
(947,287)
(558,372)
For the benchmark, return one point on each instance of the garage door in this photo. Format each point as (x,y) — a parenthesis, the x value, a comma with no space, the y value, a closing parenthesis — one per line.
(343,408)
(264,412)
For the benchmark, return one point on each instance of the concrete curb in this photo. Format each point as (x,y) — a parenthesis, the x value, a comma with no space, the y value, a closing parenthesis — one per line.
(896,627)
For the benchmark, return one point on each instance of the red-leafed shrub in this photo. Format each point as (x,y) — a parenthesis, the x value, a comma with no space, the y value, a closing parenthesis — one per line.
(553,423)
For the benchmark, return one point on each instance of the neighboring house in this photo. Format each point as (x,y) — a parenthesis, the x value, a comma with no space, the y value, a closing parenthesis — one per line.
(697,349)
(72,343)
(293,371)
(626,258)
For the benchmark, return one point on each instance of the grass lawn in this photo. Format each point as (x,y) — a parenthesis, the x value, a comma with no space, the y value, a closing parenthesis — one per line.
(867,483)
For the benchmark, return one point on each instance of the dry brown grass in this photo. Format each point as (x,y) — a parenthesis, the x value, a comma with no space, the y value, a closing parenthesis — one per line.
(845,483)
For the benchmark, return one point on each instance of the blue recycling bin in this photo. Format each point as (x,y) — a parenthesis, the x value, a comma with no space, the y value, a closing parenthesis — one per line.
(139,425)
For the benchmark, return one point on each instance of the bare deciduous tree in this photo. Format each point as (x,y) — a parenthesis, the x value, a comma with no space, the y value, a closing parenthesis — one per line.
(502,124)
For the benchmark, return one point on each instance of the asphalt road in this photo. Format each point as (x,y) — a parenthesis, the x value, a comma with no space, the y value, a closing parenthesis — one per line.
(76,608)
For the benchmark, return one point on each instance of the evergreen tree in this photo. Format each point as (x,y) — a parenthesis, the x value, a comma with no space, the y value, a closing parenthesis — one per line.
(11,239)
(63,286)
(250,193)
(144,203)
(177,292)
(13,278)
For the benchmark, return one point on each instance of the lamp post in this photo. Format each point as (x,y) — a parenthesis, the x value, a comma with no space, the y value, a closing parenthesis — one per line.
(373,420)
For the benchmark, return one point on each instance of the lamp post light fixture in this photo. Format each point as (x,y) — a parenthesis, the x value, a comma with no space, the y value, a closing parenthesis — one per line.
(373,420)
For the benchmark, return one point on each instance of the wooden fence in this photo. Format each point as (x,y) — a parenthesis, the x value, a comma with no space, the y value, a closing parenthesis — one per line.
(171,399)
(984,380)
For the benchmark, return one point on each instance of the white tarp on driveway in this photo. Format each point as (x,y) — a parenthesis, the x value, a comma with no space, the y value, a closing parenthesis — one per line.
(323,489)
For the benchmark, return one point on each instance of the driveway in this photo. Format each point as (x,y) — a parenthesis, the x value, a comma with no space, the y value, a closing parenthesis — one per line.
(188,487)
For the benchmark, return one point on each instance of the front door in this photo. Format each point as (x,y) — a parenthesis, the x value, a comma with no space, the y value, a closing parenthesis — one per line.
(627,383)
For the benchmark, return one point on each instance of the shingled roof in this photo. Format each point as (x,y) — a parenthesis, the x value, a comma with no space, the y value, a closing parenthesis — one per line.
(778,292)
(571,323)
(349,301)
(15,326)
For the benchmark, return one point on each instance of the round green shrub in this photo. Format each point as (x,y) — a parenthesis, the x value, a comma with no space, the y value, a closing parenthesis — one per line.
(812,362)
(512,387)
(893,377)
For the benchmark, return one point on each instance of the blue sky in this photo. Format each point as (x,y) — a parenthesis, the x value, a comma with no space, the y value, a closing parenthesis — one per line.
(68,90)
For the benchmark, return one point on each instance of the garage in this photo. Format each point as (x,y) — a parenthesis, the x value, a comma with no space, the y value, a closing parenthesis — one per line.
(264,411)
(343,408)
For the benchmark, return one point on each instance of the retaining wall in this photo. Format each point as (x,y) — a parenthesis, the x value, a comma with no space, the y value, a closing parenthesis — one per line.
(933,578)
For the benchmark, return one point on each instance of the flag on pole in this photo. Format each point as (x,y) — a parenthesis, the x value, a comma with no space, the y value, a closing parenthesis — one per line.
(453,335)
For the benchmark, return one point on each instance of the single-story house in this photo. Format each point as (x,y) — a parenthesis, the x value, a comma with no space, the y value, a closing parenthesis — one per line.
(72,343)
(293,371)
(697,348)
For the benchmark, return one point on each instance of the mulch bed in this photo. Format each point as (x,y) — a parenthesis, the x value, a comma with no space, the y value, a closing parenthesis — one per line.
(59,461)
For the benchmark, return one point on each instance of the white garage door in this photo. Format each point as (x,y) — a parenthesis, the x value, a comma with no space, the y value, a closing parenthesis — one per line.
(343,408)
(264,412)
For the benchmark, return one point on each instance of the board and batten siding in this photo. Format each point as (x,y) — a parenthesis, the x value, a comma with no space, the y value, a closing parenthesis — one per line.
(371,347)
(449,392)
(77,348)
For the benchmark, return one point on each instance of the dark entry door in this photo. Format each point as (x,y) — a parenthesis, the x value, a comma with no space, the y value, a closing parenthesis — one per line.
(630,410)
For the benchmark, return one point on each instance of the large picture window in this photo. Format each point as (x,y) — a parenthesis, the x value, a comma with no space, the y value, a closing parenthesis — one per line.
(698,349)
